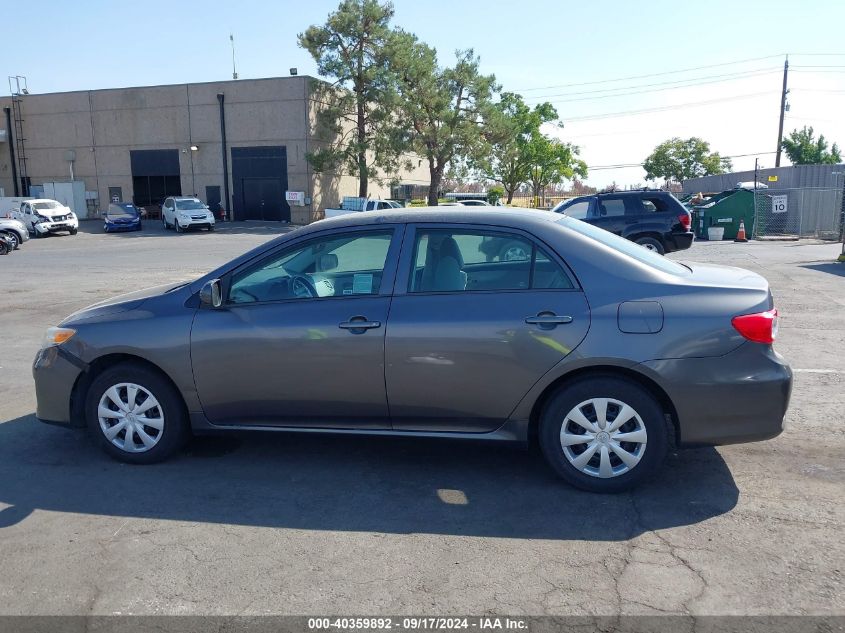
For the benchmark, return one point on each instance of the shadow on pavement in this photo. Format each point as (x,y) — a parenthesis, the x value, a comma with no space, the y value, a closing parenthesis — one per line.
(345,483)
(834,268)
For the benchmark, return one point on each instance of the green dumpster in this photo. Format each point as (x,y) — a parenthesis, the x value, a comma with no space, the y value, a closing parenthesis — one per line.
(726,210)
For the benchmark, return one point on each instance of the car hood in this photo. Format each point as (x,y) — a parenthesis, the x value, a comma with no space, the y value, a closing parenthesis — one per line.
(52,213)
(121,303)
(11,224)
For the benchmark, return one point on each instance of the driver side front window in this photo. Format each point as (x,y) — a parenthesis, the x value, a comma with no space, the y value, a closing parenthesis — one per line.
(335,266)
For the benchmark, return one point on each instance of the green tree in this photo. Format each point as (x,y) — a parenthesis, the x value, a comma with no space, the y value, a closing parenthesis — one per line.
(679,159)
(803,149)
(443,109)
(551,162)
(356,108)
(511,129)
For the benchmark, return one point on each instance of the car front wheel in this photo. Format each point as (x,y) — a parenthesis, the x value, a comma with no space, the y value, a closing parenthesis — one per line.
(136,415)
(604,434)
(13,238)
(74,231)
(652,244)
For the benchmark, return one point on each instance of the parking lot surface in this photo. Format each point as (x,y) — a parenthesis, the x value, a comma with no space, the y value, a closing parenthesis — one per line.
(290,524)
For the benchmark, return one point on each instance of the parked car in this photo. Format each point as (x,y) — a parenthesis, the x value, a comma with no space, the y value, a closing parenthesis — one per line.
(183,213)
(15,230)
(43,216)
(601,351)
(6,244)
(470,202)
(654,219)
(359,205)
(122,216)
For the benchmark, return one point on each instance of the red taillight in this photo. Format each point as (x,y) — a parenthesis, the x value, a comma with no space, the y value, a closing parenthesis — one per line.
(760,328)
(684,219)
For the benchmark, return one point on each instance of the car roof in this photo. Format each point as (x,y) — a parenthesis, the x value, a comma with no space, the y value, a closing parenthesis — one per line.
(459,214)
(633,192)
(184,198)
(43,200)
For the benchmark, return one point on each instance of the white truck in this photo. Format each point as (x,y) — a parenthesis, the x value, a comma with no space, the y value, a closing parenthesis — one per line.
(41,216)
(352,204)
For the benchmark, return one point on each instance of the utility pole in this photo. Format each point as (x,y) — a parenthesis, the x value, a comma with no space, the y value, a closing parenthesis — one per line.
(782,110)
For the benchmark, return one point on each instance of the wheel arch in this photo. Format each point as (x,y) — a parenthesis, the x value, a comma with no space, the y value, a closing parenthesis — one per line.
(15,231)
(634,236)
(83,383)
(596,371)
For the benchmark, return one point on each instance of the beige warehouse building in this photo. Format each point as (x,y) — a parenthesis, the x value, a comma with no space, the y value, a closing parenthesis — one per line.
(240,142)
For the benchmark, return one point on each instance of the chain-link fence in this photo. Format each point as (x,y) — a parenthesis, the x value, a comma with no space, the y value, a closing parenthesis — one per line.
(801,212)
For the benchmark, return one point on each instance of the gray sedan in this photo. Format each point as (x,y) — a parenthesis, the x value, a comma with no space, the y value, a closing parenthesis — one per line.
(603,353)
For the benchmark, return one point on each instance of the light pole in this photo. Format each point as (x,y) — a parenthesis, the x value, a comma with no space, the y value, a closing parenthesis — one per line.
(193,148)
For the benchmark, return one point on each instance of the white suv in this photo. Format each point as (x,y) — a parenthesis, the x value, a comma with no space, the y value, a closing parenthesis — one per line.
(185,213)
(42,216)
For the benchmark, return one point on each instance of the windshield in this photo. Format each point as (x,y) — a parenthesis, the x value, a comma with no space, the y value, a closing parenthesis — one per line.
(189,205)
(622,245)
(49,204)
(123,209)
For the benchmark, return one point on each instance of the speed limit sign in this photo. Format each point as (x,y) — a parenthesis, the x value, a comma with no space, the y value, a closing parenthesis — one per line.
(779,204)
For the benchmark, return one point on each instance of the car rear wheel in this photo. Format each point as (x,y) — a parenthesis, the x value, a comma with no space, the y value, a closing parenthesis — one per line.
(136,415)
(4,247)
(652,244)
(604,434)
(13,238)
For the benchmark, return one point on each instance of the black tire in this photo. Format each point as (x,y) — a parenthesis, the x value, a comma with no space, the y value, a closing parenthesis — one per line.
(4,247)
(175,432)
(74,231)
(211,229)
(652,244)
(617,388)
(164,221)
(13,237)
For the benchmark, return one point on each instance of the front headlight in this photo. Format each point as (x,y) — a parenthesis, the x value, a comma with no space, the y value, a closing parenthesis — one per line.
(56,336)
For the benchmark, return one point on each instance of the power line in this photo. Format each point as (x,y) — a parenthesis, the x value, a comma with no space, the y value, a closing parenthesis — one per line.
(622,166)
(638,92)
(692,104)
(660,74)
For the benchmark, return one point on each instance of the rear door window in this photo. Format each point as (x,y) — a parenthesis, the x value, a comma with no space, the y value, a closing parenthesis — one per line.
(611,207)
(447,260)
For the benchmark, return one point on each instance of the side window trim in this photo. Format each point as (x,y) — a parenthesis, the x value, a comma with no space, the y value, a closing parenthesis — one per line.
(406,261)
(388,276)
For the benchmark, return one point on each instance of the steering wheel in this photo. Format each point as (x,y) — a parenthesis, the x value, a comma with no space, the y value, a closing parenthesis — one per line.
(302,288)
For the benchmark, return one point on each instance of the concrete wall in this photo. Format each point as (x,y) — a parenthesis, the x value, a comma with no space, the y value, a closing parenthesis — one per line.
(103,126)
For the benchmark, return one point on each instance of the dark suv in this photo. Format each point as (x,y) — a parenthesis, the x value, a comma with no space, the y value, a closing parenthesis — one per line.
(654,219)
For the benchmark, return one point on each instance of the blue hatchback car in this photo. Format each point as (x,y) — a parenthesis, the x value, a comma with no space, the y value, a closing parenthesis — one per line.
(122,216)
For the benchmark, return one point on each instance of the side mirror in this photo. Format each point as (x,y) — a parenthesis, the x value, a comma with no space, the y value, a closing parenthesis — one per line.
(211,294)
(327,262)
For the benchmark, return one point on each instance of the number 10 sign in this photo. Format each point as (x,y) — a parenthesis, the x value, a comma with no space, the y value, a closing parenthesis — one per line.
(779,204)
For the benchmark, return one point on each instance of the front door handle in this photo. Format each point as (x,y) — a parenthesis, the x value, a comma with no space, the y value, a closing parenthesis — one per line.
(359,323)
(548,320)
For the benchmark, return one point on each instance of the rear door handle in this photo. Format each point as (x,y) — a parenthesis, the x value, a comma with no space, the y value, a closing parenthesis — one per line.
(548,319)
(359,323)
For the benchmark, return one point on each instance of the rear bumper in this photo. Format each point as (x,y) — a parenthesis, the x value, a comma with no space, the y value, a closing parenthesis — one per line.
(55,374)
(679,241)
(740,397)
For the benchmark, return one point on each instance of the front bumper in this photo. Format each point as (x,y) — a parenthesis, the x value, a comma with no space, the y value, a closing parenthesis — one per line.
(43,228)
(122,226)
(679,241)
(55,373)
(203,223)
(740,397)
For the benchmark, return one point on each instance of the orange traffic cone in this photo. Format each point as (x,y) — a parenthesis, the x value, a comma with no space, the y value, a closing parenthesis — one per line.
(740,235)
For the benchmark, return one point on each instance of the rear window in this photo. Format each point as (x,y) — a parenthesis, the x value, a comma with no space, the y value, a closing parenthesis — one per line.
(626,247)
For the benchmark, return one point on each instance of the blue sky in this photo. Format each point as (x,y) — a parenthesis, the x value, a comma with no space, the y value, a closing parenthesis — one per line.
(537,47)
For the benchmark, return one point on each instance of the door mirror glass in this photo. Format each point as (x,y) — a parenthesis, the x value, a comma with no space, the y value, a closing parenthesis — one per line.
(327,262)
(211,294)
